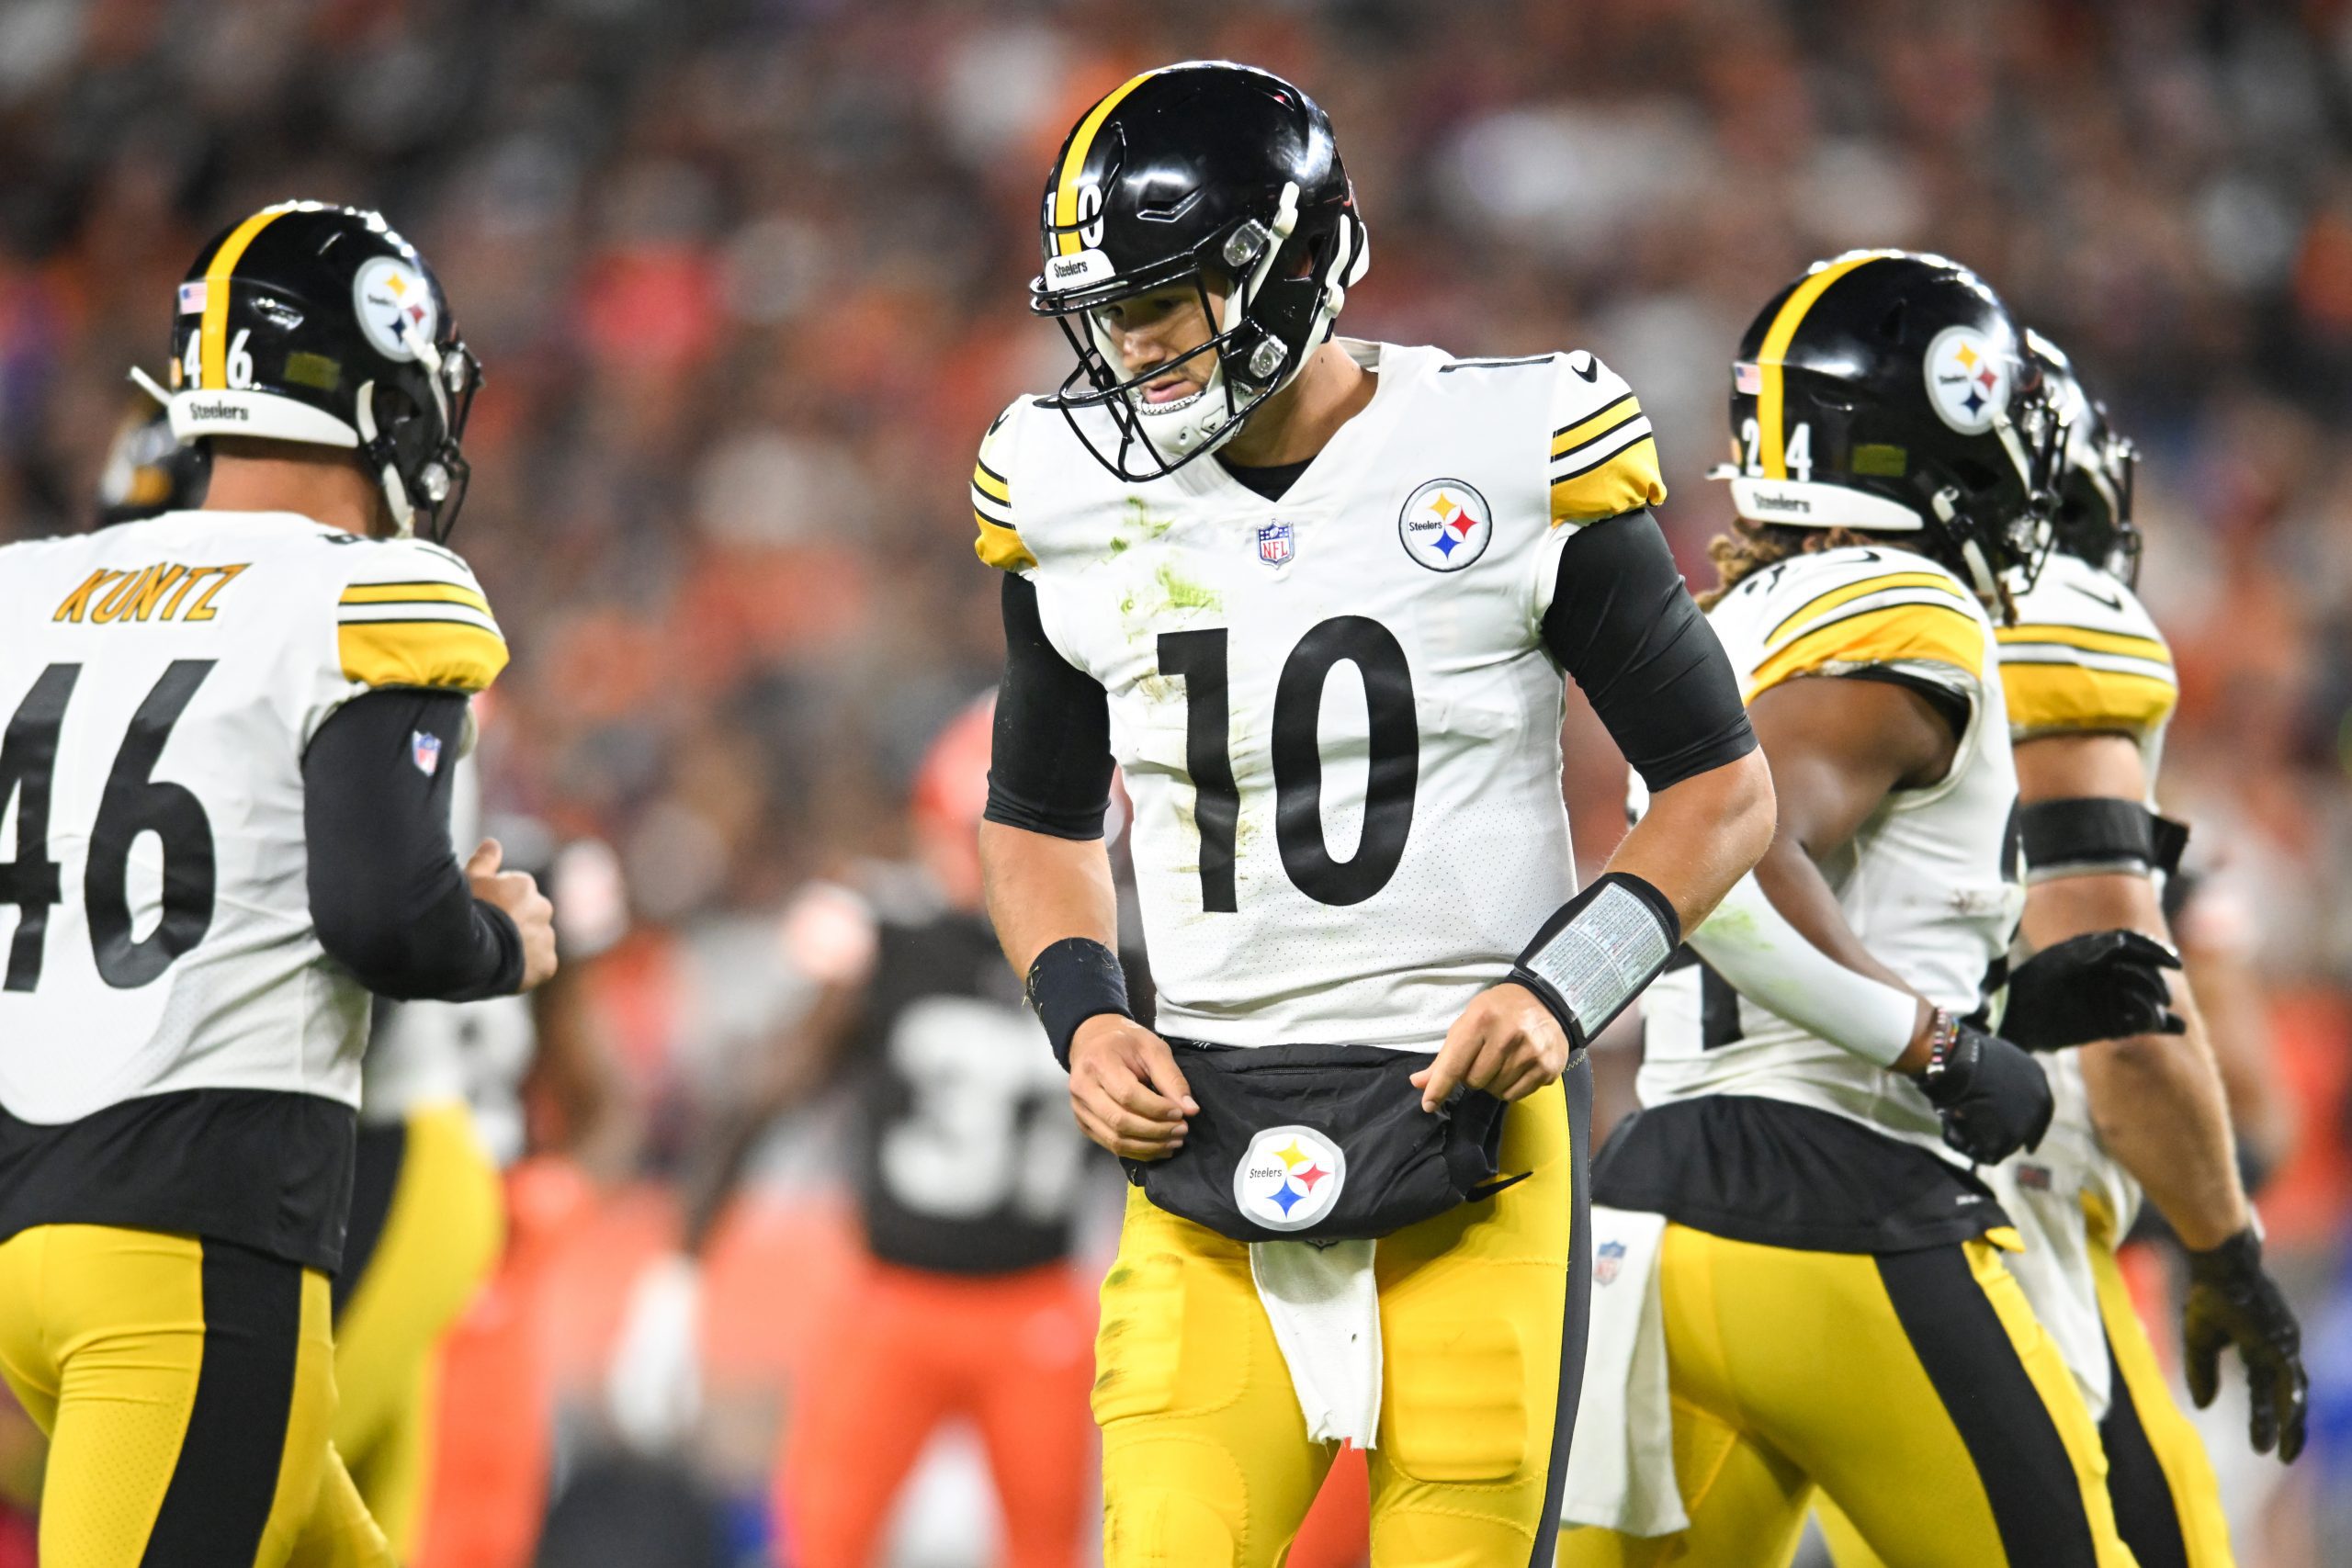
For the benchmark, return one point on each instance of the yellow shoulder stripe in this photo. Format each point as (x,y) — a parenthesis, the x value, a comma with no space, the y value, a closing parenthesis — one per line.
(990,485)
(1000,547)
(1820,604)
(1946,635)
(2089,640)
(428,593)
(1627,479)
(1615,412)
(420,653)
(2075,696)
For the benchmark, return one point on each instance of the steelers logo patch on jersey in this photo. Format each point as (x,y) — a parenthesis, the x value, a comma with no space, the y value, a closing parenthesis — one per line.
(1967,381)
(1289,1177)
(395,307)
(1445,525)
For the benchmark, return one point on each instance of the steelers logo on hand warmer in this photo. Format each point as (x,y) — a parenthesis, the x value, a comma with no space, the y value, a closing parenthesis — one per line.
(1289,1179)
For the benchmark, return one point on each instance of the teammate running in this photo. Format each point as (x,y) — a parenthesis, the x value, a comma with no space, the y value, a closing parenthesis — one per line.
(229,742)
(1796,1201)
(1318,597)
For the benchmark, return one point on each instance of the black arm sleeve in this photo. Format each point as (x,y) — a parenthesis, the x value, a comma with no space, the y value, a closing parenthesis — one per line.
(1049,766)
(1622,624)
(386,893)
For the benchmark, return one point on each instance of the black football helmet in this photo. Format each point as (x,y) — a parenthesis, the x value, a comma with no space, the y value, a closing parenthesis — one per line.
(319,324)
(2095,471)
(1890,392)
(150,470)
(1217,176)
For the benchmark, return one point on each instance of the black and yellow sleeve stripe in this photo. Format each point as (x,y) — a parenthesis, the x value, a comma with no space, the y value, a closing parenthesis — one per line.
(2057,677)
(1918,624)
(1000,542)
(1604,464)
(427,632)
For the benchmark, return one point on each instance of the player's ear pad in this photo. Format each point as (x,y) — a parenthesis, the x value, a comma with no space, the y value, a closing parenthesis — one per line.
(1320,1143)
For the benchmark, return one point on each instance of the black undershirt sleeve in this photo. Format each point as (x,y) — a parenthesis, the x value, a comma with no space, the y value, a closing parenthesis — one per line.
(1624,627)
(1050,768)
(387,894)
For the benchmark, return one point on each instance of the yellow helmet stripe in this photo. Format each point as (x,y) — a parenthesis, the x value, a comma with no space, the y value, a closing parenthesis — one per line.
(214,373)
(1081,142)
(1771,447)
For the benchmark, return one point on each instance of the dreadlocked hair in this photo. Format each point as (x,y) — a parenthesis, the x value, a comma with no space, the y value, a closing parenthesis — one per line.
(1751,546)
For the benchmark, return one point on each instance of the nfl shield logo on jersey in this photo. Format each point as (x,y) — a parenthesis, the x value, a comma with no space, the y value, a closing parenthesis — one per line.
(1445,525)
(424,751)
(1275,546)
(1289,1177)
(1607,1261)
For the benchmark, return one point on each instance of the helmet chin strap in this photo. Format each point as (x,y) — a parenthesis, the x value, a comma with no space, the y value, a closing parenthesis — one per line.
(395,492)
(1980,570)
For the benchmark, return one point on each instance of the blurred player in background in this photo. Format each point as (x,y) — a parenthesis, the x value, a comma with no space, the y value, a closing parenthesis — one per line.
(234,729)
(1796,1199)
(1224,505)
(969,1176)
(2089,686)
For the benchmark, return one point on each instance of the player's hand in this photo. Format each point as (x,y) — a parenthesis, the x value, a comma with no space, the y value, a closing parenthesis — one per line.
(2099,985)
(2232,1302)
(518,894)
(1506,1042)
(1125,1089)
(1994,1097)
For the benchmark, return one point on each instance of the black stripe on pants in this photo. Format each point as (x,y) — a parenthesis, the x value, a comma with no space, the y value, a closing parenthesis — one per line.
(226,1477)
(2144,1513)
(2020,1459)
(1576,1319)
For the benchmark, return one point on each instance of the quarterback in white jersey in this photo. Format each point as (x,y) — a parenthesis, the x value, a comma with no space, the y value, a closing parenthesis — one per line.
(1317,598)
(224,779)
(1822,1072)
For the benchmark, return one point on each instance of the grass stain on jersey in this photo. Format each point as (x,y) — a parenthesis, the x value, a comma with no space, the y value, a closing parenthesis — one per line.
(1183,594)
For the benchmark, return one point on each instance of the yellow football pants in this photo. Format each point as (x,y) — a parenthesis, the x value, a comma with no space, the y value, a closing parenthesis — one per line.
(1206,1458)
(186,1387)
(1915,1389)
(440,1235)
(2168,1503)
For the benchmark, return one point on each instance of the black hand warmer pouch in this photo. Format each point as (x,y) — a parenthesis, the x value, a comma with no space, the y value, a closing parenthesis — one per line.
(1320,1143)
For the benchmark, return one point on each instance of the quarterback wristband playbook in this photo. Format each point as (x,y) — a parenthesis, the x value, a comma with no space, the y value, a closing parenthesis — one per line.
(2093,835)
(1597,953)
(1071,981)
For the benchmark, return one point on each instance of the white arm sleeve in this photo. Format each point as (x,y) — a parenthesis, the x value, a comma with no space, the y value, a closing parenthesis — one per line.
(1769,961)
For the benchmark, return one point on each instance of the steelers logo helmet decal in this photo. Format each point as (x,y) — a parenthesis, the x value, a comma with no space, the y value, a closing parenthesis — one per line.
(395,305)
(1969,379)
(1445,525)
(1289,1177)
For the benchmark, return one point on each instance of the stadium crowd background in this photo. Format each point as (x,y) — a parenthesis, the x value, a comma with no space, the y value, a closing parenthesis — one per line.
(748,282)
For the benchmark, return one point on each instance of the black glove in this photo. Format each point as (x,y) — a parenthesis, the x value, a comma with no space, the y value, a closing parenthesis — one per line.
(1994,1098)
(2101,986)
(2232,1302)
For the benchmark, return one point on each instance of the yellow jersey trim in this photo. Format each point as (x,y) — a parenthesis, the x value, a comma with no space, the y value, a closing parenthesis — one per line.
(428,593)
(2075,696)
(420,653)
(1624,408)
(1935,632)
(1820,604)
(990,485)
(999,546)
(1771,447)
(1628,477)
(2087,640)
(214,373)
(1081,142)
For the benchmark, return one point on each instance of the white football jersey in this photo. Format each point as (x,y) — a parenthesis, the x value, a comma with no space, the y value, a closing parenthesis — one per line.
(2084,657)
(436,1053)
(1339,725)
(159,681)
(1930,881)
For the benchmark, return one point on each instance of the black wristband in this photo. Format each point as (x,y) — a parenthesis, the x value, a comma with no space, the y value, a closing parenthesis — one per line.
(2234,1261)
(1071,981)
(1598,952)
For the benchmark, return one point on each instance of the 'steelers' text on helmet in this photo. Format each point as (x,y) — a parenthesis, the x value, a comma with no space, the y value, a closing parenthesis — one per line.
(318,324)
(1219,178)
(2096,467)
(1889,392)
